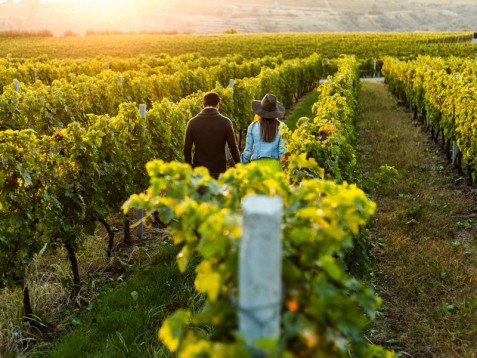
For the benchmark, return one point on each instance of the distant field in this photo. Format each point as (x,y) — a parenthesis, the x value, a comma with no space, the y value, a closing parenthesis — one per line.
(321,15)
(363,45)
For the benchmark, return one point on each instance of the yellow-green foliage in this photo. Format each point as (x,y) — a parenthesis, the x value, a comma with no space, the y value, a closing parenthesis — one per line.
(328,137)
(290,45)
(445,89)
(319,317)
(321,219)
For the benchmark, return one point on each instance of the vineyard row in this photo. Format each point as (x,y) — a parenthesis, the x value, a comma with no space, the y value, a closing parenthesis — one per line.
(46,108)
(324,310)
(442,91)
(54,187)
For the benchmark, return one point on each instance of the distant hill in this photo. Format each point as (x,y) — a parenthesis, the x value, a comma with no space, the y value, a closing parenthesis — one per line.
(248,16)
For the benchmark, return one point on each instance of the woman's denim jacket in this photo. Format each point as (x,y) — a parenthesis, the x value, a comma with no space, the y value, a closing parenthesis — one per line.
(256,148)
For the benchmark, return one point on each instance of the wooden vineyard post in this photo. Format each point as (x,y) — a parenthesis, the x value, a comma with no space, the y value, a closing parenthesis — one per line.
(260,267)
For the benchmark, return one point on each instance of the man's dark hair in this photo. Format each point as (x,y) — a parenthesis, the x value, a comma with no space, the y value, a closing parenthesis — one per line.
(211,99)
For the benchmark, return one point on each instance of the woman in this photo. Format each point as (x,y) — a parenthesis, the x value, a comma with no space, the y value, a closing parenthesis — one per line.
(264,145)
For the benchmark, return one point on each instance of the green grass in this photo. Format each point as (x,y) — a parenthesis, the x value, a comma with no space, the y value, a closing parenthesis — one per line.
(301,109)
(124,322)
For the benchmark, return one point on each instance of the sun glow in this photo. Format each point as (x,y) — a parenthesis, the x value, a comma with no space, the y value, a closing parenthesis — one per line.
(84,15)
(104,12)
(70,17)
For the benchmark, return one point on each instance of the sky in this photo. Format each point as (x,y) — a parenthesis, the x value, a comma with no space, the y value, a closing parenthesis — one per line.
(77,16)
(217,16)
(69,1)
(83,2)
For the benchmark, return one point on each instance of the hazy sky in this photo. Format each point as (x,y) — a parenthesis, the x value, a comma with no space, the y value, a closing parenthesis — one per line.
(217,16)
(78,2)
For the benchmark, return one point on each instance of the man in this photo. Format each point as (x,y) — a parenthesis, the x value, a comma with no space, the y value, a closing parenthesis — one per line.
(208,132)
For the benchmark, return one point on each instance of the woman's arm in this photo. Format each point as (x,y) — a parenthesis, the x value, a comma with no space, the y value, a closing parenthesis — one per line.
(247,152)
(281,140)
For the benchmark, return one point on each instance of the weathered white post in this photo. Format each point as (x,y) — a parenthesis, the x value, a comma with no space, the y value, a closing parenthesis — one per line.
(374,68)
(238,135)
(140,212)
(121,81)
(455,151)
(142,110)
(16,85)
(260,268)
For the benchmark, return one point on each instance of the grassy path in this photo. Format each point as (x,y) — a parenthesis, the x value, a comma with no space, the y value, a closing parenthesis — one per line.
(426,236)
(124,321)
(303,108)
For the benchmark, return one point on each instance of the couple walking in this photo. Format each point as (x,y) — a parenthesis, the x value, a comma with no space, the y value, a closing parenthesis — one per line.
(209,131)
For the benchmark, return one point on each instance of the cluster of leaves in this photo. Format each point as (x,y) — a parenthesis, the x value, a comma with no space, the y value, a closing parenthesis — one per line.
(55,186)
(443,89)
(329,136)
(385,179)
(324,309)
(46,107)
(31,69)
(24,183)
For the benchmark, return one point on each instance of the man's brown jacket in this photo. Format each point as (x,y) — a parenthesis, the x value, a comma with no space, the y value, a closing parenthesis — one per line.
(208,132)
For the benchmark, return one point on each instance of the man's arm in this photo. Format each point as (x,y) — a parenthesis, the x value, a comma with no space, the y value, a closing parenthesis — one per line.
(232,143)
(188,142)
